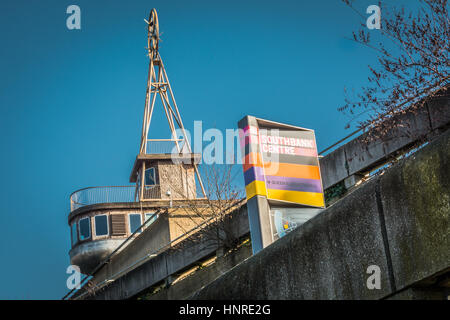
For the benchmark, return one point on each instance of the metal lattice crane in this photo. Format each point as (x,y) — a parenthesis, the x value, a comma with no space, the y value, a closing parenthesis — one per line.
(158,84)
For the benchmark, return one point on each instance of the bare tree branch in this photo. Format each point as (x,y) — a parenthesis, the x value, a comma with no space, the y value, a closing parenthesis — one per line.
(415,69)
(213,215)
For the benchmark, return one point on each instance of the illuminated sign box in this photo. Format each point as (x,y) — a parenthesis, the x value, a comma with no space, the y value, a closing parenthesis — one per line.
(282,178)
(280,162)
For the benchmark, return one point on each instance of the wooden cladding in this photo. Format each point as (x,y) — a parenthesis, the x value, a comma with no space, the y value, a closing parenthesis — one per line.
(118,225)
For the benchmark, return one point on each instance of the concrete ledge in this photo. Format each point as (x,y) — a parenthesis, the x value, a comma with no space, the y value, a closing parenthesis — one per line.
(357,158)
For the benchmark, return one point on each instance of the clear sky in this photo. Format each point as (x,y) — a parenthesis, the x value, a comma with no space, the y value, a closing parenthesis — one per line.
(72,100)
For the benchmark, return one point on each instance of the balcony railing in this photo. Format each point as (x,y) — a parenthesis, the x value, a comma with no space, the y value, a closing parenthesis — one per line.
(161,146)
(95,195)
(152,192)
(111,194)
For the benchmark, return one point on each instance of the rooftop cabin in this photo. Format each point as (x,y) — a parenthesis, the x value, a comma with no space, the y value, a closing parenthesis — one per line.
(164,174)
(176,171)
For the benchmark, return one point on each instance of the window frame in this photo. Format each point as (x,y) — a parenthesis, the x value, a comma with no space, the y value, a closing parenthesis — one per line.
(79,229)
(73,243)
(146,185)
(107,226)
(129,223)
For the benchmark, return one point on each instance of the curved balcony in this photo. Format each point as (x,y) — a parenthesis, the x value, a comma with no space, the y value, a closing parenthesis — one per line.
(95,195)
(110,194)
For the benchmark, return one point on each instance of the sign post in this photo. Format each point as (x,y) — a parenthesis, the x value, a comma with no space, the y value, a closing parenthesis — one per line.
(282,178)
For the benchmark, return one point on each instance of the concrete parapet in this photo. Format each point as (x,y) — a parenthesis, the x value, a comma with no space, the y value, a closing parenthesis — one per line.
(357,157)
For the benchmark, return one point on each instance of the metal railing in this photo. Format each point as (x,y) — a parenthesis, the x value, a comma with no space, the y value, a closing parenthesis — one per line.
(95,195)
(111,194)
(152,192)
(161,146)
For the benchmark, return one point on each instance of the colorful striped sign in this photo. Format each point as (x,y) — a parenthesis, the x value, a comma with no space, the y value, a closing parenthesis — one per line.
(280,162)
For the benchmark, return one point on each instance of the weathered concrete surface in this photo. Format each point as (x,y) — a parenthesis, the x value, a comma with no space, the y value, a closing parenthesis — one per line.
(184,288)
(399,221)
(155,236)
(416,205)
(355,157)
(333,168)
(325,258)
(416,126)
(421,294)
(439,110)
(89,254)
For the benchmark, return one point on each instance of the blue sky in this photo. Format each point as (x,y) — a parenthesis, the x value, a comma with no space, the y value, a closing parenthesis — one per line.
(72,100)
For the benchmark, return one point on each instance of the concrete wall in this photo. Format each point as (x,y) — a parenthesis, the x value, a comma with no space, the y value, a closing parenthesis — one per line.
(160,267)
(398,221)
(355,157)
(155,236)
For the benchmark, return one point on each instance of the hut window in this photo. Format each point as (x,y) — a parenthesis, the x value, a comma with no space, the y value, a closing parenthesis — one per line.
(150,177)
(73,229)
(135,222)
(101,225)
(84,227)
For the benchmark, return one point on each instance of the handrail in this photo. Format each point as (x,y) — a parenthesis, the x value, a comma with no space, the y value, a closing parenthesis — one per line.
(104,194)
(157,146)
(178,140)
(100,187)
